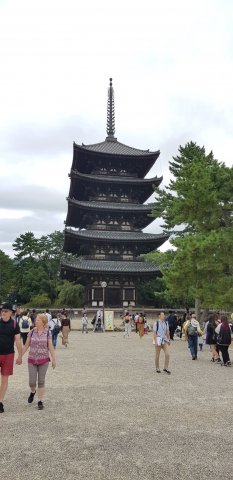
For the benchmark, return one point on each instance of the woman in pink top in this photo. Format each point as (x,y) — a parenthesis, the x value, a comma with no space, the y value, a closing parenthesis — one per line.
(40,342)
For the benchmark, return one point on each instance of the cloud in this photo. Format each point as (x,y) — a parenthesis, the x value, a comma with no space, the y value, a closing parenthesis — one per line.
(33,198)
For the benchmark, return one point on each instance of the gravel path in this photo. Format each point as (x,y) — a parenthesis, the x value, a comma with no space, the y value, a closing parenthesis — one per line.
(108,415)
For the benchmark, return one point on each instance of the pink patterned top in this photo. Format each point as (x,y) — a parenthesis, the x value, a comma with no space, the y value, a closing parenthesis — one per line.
(39,349)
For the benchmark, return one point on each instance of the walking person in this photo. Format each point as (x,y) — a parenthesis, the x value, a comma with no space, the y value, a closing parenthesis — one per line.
(172,320)
(25,324)
(17,314)
(161,342)
(84,323)
(65,329)
(48,314)
(223,331)
(33,318)
(192,330)
(40,346)
(141,321)
(127,322)
(211,337)
(136,318)
(9,335)
(54,327)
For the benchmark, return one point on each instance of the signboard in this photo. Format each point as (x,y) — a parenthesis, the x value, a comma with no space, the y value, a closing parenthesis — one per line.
(109,320)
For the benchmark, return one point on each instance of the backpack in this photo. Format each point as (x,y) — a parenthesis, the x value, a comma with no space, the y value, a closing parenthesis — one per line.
(191,330)
(25,322)
(56,328)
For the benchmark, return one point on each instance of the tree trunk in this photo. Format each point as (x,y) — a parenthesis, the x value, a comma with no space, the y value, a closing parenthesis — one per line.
(204,315)
(197,308)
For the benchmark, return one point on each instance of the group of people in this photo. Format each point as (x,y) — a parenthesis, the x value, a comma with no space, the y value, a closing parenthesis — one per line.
(41,352)
(138,320)
(38,334)
(57,322)
(217,331)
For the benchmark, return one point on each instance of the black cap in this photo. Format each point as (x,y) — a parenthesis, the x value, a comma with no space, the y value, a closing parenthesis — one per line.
(7,306)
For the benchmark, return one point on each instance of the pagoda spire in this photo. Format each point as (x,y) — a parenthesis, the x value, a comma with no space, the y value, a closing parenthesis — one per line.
(110,112)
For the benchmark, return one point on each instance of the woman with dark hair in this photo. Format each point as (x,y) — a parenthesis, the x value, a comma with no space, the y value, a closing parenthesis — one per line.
(211,337)
(224,339)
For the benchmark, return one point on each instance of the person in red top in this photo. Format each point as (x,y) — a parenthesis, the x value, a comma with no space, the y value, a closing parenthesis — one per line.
(9,334)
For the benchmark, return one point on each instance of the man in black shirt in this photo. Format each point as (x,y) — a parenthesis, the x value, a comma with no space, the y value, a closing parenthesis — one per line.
(9,334)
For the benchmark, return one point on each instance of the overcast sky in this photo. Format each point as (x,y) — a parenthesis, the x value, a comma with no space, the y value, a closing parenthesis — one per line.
(172,67)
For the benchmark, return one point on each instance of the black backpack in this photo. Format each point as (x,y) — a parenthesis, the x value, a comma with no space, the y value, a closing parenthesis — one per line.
(56,328)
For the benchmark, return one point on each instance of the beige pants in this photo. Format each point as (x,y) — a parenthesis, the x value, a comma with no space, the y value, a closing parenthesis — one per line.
(65,333)
(158,349)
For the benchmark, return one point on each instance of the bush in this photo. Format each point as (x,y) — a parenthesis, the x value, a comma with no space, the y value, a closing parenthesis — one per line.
(40,300)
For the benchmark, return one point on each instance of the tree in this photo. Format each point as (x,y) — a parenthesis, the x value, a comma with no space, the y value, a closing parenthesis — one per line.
(41,300)
(38,264)
(197,208)
(157,289)
(70,295)
(7,276)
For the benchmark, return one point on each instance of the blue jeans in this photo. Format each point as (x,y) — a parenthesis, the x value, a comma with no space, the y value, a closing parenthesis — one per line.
(54,339)
(192,342)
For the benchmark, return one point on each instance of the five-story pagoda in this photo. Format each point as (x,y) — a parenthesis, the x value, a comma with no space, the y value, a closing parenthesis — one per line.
(106,215)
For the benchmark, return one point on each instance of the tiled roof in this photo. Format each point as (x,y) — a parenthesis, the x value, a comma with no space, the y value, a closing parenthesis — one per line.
(112,206)
(116,235)
(111,266)
(116,178)
(112,146)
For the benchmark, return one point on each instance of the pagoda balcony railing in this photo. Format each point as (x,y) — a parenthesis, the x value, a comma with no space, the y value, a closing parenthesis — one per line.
(118,173)
(112,257)
(111,199)
(115,228)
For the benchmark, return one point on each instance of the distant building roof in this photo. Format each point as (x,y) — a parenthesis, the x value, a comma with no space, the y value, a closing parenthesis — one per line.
(112,146)
(116,178)
(96,266)
(133,207)
(116,235)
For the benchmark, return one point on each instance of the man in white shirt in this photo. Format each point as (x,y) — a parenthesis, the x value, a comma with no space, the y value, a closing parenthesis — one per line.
(161,342)
(48,314)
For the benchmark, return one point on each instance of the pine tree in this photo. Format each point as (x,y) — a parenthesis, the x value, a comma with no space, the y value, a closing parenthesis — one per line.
(197,209)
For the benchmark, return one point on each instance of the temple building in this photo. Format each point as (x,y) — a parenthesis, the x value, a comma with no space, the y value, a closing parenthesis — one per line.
(106,216)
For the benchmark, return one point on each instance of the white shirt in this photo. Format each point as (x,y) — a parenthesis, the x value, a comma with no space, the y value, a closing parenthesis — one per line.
(49,316)
(53,322)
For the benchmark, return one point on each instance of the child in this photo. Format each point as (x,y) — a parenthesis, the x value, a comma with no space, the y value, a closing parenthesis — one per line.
(200,342)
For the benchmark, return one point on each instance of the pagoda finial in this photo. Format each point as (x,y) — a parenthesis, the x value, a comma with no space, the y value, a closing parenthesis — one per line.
(110,111)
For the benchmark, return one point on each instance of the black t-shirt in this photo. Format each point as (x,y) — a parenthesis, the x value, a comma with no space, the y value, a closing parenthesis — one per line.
(7,336)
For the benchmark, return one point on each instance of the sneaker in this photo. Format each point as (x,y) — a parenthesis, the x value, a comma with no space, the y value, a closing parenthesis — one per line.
(31,397)
(212,359)
(167,371)
(40,405)
(229,364)
(218,360)
(1,407)
(157,370)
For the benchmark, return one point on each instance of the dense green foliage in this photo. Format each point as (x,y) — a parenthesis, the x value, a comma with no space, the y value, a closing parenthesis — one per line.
(197,208)
(7,275)
(32,277)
